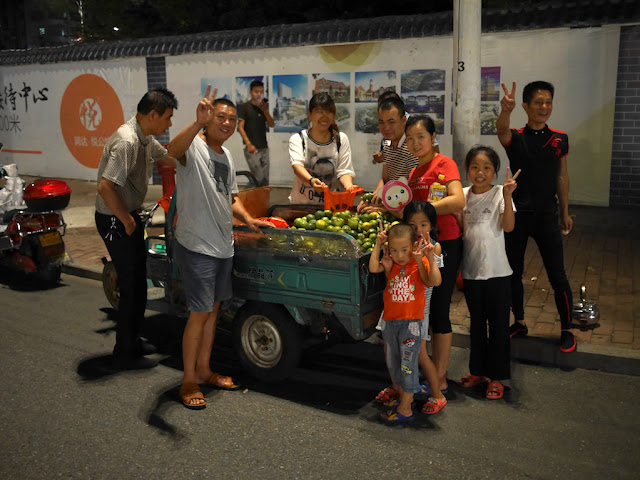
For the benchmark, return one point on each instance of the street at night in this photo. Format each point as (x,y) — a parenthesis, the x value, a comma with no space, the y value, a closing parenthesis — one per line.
(65,414)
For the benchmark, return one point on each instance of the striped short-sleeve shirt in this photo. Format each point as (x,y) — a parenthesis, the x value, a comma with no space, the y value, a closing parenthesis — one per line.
(127,160)
(398,159)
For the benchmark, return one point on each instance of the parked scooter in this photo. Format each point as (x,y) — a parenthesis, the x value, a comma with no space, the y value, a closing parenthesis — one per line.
(32,226)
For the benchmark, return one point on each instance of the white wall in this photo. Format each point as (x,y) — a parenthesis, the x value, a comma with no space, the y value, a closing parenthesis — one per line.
(581,63)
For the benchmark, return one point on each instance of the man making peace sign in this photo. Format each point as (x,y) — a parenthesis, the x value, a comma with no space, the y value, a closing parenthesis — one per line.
(206,199)
(542,199)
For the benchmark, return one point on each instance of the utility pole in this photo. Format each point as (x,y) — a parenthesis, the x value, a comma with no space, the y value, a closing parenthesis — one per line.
(467,29)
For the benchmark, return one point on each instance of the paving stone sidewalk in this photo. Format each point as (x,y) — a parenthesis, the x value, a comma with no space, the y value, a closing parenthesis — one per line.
(602,252)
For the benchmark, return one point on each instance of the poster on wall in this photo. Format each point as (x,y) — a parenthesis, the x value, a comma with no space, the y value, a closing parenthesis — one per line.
(423,92)
(488,115)
(222,84)
(370,85)
(490,84)
(367,118)
(290,111)
(490,98)
(338,85)
(242,90)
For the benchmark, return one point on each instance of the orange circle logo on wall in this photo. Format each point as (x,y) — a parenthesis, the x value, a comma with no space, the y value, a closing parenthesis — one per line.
(90,113)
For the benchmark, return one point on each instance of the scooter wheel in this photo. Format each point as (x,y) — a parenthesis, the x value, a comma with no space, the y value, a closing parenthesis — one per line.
(110,284)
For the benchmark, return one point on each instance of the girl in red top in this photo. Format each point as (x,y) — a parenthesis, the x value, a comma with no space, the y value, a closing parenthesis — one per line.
(435,167)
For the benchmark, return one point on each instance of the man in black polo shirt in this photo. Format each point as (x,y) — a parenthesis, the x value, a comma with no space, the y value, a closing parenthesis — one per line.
(541,199)
(252,117)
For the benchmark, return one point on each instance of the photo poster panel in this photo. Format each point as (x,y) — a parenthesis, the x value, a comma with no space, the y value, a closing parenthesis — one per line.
(423,93)
(291,94)
(490,91)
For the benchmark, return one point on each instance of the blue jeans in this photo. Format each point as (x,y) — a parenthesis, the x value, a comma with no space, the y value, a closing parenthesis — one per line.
(403,338)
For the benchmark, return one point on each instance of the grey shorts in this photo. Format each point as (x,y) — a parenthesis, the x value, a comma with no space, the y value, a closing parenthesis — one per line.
(205,279)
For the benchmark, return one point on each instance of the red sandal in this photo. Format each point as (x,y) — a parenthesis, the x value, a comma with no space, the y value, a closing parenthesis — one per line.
(471,380)
(434,405)
(495,390)
(387,395)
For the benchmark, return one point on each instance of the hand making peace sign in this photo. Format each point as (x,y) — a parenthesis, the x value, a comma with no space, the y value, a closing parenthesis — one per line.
(508,102)
(204,111)
(510,183)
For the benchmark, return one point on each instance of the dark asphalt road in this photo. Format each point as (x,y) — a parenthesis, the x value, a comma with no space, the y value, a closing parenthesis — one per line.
(63,415)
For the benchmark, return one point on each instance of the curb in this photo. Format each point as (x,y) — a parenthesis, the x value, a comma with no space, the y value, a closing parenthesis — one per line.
(544,351)
(539,350)
(82,271)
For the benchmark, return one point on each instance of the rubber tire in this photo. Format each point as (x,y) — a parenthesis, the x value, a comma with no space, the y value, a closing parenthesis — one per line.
(110,284)
(267,322)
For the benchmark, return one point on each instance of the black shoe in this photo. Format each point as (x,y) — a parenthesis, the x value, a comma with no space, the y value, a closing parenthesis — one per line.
(136,363)
(518,330)
(146,348)
(567,342)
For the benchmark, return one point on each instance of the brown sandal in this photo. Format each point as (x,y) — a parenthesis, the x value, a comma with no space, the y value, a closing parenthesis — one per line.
(220,381)
(189,392)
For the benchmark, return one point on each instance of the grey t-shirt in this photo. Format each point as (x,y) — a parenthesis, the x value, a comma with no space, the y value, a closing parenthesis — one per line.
(204,188)
(127,160)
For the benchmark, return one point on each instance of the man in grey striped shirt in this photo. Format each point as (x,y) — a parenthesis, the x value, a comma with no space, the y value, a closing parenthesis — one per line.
(398,162)
(125,168)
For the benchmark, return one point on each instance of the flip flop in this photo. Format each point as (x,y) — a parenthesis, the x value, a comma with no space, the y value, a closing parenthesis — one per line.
(471,380)
(394,402)
(394,418)
(427,391)
(386,395)
(220,381)
(191,391)
(495,390)
(434,405)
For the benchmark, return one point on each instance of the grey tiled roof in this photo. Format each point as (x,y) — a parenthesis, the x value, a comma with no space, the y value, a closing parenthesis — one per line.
(554,14)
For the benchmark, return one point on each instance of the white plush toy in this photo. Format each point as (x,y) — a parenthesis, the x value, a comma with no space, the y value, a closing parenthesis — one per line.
(396,194)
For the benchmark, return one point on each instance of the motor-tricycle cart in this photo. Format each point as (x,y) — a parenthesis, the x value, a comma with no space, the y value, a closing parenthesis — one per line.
(287,284)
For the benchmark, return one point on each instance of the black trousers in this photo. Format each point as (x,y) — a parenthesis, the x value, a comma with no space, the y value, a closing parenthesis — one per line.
(129,255)
(544,229)
(488,302)
(441,297)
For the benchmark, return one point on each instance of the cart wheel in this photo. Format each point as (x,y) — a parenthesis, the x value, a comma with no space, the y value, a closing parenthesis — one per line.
(110,284)
(267,340)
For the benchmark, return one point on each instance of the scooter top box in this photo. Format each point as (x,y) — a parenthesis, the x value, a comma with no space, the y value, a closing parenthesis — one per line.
(45,195)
